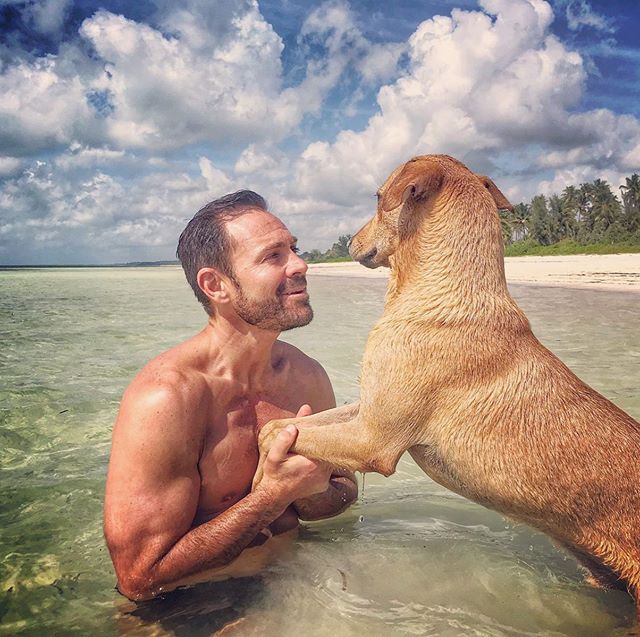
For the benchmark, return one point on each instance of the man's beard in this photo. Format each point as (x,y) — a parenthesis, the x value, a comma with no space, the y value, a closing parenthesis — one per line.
(276,314)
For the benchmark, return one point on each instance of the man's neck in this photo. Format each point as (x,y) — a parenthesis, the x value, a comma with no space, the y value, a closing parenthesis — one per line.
(240,351)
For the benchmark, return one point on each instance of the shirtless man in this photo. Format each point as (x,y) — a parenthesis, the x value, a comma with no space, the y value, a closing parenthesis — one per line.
(178,503)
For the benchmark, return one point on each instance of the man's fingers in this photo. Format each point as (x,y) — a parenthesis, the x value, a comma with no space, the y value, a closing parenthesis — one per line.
(282,443)
(305,410)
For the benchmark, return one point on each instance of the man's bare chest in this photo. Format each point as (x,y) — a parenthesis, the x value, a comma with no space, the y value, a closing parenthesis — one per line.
(230,451)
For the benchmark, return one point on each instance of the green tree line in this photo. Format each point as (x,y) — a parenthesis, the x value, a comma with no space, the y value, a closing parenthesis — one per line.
(585,218)
(339,251)
(588,215)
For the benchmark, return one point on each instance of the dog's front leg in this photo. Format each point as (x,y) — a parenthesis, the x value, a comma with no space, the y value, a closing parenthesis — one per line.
(340,437)
(348,445)
(323,418)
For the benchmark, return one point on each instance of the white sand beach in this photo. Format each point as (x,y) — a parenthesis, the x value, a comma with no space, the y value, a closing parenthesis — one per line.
(605,272)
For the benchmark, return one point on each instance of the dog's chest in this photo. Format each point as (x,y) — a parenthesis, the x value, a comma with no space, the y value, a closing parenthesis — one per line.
(450,472)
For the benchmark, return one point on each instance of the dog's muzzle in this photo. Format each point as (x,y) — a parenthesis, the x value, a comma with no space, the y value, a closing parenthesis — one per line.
(367,259)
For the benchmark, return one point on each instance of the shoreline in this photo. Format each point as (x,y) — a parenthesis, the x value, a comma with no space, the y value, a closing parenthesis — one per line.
(613,272)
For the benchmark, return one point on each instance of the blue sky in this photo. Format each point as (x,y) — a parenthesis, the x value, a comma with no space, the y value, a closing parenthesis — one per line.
(118,120)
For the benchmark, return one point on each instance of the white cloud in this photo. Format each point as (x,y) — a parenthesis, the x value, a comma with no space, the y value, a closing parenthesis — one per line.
(334,26)
(475,86)
(78,156)
(42,105)
(9,166)
(217,181)
(184,94)
(212,75)
(47,210)
(580,14)
(262,162)
(46,16)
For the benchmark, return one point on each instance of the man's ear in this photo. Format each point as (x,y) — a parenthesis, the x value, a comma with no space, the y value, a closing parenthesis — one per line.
(213,284)
(501,201)
(418,180)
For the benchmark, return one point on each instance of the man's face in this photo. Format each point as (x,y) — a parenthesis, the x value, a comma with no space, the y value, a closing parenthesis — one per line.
(269,276)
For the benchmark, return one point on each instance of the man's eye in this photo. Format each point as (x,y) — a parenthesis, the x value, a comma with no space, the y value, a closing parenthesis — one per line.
(295,250)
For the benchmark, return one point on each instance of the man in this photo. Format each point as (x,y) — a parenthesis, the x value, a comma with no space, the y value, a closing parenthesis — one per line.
(178,503)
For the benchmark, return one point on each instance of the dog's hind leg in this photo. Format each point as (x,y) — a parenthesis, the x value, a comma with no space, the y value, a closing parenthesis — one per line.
(599,574)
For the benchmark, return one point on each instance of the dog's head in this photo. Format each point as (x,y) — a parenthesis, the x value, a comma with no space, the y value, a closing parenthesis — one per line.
(408,194)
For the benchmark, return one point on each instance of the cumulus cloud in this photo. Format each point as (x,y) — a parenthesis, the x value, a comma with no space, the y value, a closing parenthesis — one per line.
(333,25)
(210,72)
(189,93)
(477,84)
(99,217)
(43,106)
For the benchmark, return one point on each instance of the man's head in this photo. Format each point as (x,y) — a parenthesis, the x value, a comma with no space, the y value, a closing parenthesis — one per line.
(240,258)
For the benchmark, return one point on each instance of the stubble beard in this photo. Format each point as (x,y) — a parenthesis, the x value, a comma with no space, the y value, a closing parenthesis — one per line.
(276,314)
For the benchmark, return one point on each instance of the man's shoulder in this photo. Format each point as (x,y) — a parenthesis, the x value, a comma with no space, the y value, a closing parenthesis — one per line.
(298,360)
(166,382)
(309,378)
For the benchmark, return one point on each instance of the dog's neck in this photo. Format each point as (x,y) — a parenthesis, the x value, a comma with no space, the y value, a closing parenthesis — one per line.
(453,265)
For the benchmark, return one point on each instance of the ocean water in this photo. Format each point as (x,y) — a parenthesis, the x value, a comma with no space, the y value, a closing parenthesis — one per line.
(410,558)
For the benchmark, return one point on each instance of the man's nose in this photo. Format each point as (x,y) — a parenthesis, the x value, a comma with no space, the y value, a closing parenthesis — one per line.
(297,265)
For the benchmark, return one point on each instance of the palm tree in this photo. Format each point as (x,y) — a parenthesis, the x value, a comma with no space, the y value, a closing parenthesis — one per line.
(572,202)
(630,192)
(539,226)
(519,221)
(506,223)
(605,208)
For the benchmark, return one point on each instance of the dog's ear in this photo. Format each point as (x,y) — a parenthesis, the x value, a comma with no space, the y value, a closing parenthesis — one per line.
(501,201)
(418,180)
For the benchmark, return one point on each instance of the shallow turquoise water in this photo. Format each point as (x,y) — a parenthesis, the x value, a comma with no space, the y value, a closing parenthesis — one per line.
(409,558)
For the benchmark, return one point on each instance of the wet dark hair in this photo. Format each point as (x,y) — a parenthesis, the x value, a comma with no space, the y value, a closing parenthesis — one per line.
(205,243)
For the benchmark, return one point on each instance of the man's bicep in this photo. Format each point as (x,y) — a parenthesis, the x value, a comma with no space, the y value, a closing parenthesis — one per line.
(153,482)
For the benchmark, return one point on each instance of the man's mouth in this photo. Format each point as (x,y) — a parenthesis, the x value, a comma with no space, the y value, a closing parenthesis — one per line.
(296,288)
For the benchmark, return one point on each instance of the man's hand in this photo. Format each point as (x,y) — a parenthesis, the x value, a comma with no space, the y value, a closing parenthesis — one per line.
(340,492)
(289,476)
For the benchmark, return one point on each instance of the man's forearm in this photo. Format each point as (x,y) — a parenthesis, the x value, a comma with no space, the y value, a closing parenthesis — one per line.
(210,545)
(342,493)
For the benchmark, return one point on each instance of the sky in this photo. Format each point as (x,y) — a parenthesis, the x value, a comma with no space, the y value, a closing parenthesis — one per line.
(119,120)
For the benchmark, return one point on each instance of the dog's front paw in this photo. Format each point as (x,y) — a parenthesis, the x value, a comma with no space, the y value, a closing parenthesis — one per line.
(268,434)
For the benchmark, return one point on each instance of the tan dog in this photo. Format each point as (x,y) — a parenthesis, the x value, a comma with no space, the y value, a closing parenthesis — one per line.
(453,374)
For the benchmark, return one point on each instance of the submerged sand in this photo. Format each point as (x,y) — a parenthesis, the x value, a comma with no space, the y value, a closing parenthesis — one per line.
(597,271)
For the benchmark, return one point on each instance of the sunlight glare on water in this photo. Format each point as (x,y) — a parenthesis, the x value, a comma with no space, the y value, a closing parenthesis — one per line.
(410,558)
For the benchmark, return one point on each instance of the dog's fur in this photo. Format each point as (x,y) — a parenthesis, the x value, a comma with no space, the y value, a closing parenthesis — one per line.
(453,374)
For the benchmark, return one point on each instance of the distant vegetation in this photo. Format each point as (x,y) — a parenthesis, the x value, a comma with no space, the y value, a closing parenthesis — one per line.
(585,219)
(339,251)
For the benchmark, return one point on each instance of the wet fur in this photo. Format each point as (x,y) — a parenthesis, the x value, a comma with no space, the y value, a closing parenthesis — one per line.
(453,374)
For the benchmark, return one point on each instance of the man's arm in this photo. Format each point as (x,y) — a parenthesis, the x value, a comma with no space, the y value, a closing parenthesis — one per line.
(153,488)
(343,486)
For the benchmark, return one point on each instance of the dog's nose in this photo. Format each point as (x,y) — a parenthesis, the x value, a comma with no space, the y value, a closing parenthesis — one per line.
(367,258)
